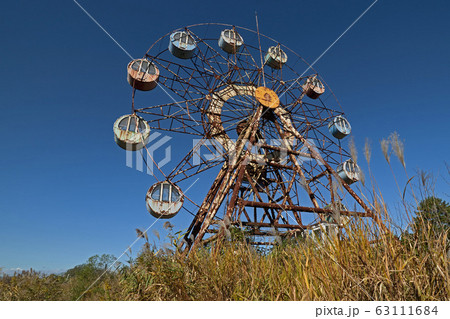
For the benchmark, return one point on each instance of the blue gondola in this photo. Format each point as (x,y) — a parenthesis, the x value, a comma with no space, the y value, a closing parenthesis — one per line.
(339,127)
(182,45)
(230,41)
(275,57)
(349,171)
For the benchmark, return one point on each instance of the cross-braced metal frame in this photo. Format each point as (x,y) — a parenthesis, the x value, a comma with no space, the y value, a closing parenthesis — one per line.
(277,165)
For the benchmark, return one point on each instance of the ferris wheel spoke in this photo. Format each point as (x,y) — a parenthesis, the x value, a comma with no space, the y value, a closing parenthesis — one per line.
(194,162)
(249,58)
(213,60)
(188,102)
(178,70)
(183,80)
(182,110)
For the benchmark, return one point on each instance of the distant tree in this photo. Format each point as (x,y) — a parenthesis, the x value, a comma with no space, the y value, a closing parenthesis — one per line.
(84,275)
(95,265)
(101,262)
(434,212)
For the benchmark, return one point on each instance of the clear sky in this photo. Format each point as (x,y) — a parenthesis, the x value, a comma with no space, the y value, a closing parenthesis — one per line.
(65,191)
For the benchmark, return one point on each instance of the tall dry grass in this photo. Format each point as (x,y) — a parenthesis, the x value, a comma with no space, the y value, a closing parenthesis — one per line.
(354,268)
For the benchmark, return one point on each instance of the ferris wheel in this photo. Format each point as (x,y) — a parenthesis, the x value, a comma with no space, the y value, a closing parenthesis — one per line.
(274,126)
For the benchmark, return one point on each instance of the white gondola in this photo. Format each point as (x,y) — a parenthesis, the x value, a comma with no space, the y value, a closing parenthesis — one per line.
(339,127)
(142,74)
(182,45)
(131,132)
(324,231)
(335,217)
(275,57)
(164,200)
(230,41)
(349,171)
(313,87)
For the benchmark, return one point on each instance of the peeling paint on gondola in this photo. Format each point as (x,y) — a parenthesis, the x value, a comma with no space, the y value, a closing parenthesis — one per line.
(164,200)
(131,132)
(142,75)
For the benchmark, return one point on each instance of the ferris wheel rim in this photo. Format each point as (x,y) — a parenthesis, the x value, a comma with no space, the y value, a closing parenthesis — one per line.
(310,66)
(250,47)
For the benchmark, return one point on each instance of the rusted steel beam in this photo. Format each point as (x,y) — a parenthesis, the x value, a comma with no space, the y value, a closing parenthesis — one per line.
(253,232)
(256,192)
(242,210)
(276,225)
(205,219)
(299,208)
(285,150)
(330,181)
(210,239)
(317,176)
(278,165)
(257,232)
(287,197)
(237,185)
(225,186)
(251,133)
(287,123)
(203,210)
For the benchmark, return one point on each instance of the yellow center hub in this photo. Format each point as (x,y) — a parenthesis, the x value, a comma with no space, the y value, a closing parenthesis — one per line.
(267,97)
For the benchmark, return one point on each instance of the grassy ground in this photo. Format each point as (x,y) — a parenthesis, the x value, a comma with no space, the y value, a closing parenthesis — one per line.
(350,269)
(354,268)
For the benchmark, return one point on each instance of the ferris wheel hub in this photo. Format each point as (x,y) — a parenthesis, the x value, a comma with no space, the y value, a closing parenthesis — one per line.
(267,97)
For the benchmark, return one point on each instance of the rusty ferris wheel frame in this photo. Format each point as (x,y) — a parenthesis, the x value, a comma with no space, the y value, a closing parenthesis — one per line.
(277,165)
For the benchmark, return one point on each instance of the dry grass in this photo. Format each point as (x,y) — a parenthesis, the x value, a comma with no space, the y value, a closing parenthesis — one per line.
(31,285)
(354,268)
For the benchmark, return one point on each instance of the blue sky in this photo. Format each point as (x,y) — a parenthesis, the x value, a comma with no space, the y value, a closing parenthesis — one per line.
(65,191)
